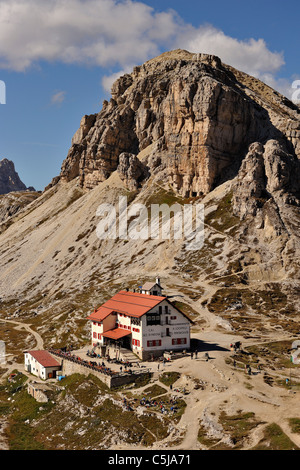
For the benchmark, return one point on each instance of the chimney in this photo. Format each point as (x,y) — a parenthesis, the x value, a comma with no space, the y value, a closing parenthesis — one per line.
(158,281)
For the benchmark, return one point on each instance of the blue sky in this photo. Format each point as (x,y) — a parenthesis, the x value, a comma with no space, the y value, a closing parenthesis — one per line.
(58,59)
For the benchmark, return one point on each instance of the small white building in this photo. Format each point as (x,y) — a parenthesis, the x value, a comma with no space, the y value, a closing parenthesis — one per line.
(146,323)
(152,288)
(41,364)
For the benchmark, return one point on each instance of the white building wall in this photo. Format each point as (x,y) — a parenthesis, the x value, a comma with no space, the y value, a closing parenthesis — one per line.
(124,321)
(98,328)
(155,290)
(35,368)
(32,365)
(173,332)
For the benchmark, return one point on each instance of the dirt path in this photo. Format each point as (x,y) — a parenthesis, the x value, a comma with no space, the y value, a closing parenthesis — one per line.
(38,339)
(232,391)
(224,387)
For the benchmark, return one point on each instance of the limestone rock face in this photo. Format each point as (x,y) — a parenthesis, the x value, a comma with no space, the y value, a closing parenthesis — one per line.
(268,172)
(95,155)
(13,202)
(282,168)
(251,182)
(131,171)
(196,116)
(198,125)
(9,178)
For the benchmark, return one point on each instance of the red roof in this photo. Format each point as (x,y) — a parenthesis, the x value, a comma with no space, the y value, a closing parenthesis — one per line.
(132,304)
(100,314)
(44,358)
(116,333)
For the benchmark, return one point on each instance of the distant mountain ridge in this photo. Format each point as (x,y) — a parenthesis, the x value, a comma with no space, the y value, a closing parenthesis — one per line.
(9,178)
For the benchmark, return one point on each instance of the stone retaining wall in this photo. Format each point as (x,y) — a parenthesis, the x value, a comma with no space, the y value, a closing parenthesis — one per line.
(69,367)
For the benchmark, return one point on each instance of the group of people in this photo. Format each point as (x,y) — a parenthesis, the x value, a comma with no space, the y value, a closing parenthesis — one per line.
(236,346)
(101,367)
(149,402)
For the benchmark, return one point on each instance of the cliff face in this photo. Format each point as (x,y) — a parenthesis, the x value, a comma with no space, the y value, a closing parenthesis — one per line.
(188,114)
(194,124)
(14,202)
(9,178)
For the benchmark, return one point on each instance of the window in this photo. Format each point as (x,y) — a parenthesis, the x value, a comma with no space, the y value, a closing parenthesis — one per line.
(136,342)
(178,341)
(94,335)
(153,343)
(153,319)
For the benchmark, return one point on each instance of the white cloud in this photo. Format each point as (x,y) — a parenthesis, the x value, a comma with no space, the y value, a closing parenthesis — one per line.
(58,97)
(251,56)
(287,87)
(98,32)
(116,33)
(108,80)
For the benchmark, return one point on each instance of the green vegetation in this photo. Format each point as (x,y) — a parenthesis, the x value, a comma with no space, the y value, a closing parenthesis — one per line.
(82,413)
(275,439)
(275,355)
(21,409)
(222,218)
(154,391)
(186,309)
(143,380)
(250,311)
(163,196)
(238,427)
(169,378)
(206,440)
(16,340)
(295,425)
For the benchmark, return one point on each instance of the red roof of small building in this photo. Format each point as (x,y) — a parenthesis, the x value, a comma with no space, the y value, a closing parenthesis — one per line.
(132,304)
(44,358)
(100,314)
(116,333)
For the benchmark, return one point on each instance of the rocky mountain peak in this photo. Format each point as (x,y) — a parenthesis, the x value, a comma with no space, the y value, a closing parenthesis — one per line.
(9,178)
(187,114)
